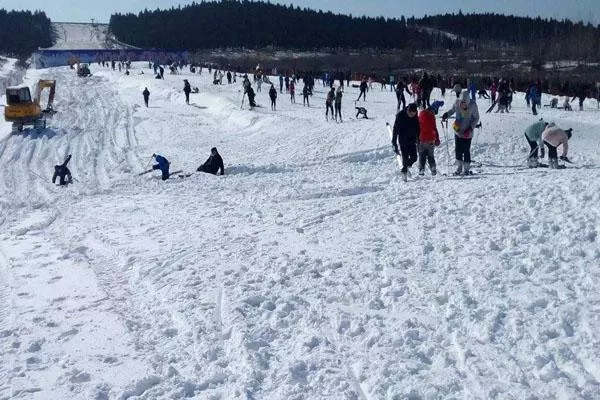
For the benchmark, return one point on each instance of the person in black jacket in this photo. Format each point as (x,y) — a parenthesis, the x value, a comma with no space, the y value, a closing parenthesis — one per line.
(273,97)
(62,172)
(214,164)
(187,89)
(406,135)
(146,94)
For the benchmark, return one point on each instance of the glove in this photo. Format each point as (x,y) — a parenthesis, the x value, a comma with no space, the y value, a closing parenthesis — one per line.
(444,116)
(437,142)
(468,132)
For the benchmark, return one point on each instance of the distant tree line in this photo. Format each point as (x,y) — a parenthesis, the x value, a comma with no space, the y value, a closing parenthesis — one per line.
(540,38)
(256,24)
(22,32)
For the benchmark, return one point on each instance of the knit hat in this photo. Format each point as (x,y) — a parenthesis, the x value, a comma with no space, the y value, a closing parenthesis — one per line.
(435,106)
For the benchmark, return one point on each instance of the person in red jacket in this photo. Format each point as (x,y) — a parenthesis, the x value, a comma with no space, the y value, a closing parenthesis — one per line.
(429,137)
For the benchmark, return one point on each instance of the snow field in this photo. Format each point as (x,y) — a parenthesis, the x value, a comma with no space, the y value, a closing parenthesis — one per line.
(309,271)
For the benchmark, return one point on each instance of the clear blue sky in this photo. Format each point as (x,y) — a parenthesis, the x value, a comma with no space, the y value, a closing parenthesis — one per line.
(100,10)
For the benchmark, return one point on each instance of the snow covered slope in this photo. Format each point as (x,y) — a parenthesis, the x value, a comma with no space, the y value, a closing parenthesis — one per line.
(309,271)
(76,36)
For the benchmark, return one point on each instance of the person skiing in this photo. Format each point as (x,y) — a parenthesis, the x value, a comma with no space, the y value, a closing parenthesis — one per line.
(62,172)
(146,94)
(426,85)
(533,134)
(214,164)
(273,97)
(251,96)
(472,89)
(187,89)
(305,93)
(493,90)
(581,92)
(338,103)
(467,118)
(405,135)
(429,137)
(457,88)
(400,88)
(162,164)
(535,97)
(329,103)
(363,90)
(554,137)
(292,89)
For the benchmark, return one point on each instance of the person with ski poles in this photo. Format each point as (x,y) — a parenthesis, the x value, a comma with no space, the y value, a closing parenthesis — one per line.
(429,137)
(405,136)
(162,164)
(467,118)
(533,134)
(554,137)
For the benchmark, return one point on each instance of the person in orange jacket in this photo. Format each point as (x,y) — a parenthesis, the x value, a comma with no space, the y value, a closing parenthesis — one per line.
(429,137)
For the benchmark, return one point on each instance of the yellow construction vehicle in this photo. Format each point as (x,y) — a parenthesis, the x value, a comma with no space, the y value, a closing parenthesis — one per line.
(22,110)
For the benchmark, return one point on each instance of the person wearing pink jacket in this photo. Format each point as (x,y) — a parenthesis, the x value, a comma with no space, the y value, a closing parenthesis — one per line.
(553,138)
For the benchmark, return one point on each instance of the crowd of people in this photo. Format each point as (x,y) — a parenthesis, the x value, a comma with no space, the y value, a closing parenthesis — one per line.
(415,133)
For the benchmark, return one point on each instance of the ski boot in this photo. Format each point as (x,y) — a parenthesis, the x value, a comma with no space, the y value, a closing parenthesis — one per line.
(459,168)
(467,169)
(533,163)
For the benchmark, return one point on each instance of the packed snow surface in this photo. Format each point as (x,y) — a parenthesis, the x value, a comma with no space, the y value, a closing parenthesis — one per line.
(77,36)
(309,271)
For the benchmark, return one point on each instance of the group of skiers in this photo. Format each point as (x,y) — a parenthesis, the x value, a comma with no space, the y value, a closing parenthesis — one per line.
(415,136)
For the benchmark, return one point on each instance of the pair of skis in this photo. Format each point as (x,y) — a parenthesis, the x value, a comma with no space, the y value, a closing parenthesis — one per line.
(179,173)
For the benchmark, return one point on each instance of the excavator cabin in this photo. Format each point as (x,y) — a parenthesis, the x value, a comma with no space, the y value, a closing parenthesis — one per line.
(22,110)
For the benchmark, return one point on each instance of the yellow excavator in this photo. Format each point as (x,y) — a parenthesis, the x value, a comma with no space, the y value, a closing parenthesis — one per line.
(22,110)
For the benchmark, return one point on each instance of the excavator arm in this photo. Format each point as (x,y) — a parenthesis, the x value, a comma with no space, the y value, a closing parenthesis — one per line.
(46,84)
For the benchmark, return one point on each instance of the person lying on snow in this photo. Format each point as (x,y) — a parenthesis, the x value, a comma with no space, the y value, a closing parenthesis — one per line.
(62,172)
(214,164)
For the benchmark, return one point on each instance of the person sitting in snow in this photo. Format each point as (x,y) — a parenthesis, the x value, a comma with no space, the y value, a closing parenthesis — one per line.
(163,164)
(533,134)
(214,164)
(554,137)
(62,172)
(429,137)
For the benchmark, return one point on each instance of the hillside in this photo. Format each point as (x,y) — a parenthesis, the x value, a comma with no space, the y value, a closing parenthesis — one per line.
(309,271)
(74,36)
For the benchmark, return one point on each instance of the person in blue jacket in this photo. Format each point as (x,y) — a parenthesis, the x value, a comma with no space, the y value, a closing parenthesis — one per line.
(473,90)
(162,164)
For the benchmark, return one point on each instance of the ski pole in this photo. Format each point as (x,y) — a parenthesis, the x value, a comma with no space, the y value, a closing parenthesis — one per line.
(445,129)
